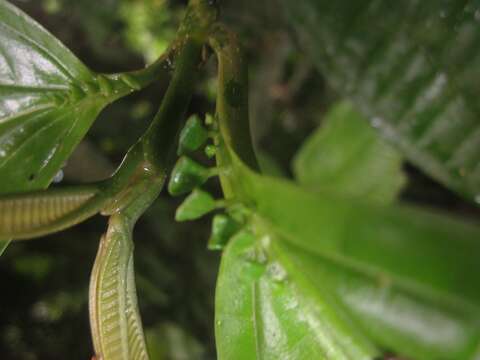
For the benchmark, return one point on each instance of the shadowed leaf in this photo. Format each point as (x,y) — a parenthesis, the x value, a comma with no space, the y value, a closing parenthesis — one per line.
(412,68)
(346,156)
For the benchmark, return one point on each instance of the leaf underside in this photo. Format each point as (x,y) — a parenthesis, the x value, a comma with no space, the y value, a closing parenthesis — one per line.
(412,67)
(116,325)
(34,214)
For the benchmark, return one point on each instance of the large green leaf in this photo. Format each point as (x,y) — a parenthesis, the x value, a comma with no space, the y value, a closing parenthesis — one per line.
(265,309)
(48,101)
(396,314)
(408,242)
(412,68)
(380,261)
(345,155)
(403,276)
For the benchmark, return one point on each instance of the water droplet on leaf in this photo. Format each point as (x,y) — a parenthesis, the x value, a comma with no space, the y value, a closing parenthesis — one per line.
(277,272)
(58,177)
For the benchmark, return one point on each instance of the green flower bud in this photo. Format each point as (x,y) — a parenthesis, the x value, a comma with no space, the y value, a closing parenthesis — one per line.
(223,228)
(192,136)
(187,175)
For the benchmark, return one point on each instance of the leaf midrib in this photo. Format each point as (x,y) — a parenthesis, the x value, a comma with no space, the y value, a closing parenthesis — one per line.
(373,272)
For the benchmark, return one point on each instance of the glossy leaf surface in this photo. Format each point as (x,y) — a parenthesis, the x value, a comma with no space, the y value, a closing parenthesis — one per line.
(265,309)
(412,243)
(398,258)
(394,273)
(397,314)
(345,155)
(412,69)
(48,101)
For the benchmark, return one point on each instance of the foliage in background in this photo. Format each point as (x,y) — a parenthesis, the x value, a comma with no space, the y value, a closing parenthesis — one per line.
(412,68)
(279,271)
(149,26)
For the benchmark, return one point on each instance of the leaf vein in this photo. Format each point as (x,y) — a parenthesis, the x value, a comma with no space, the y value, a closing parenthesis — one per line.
(42,50)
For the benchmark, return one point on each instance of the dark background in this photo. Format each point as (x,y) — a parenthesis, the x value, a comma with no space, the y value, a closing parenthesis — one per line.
(43,301)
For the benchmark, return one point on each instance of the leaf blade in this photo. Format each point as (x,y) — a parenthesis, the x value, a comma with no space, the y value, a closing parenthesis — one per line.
(345,156)
(427,260)
(32,214)
(385,235)
(412,70)
(257,311)
(394,313)
(114,318)
(48,100)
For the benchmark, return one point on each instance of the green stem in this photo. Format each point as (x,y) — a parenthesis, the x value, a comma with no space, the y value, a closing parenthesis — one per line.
(168,121)
(141,175)
(153,154)
(232,105)
(232,98)
(161,69)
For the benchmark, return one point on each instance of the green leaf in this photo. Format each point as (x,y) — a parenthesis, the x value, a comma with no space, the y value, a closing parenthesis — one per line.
(412,68)
(402,276)
(382,236)
(265,309)
(48,101)
(345,155)
(397,257)
(397,314)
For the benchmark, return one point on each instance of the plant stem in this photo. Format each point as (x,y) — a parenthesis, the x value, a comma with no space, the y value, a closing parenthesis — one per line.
(232,98)
(167,123)
(232,108)
(152,156)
